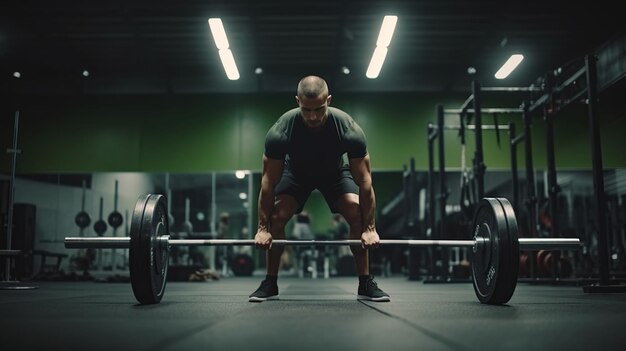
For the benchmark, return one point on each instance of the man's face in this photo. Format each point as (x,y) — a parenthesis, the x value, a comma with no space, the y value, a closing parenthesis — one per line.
(314,110)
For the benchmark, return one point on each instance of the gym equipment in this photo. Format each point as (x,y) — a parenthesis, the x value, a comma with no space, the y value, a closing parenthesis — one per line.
(187,226)
(115,218)
(100,227)
(149,250)
(242,265)
(495,247)
(82,219)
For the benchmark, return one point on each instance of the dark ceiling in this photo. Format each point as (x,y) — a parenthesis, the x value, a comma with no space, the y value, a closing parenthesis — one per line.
(155,47)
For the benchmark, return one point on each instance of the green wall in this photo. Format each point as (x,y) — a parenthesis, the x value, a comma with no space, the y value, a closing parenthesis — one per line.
(225,132)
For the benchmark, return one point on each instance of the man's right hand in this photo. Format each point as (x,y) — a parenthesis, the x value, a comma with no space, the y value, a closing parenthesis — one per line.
(263,239)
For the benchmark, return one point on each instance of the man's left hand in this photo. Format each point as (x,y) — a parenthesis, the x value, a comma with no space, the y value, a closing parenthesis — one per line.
(370,239)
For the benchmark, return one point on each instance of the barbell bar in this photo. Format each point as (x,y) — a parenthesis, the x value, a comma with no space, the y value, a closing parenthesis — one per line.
(527,244)
(495,248)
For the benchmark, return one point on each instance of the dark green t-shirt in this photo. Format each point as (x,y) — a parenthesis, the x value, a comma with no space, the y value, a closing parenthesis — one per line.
(314,153)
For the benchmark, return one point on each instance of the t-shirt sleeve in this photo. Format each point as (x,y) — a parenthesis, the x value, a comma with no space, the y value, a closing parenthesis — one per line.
(356,144)
(275,144)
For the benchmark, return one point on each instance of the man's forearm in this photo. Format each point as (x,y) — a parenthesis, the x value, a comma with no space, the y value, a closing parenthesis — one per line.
(367,202)
(266,204)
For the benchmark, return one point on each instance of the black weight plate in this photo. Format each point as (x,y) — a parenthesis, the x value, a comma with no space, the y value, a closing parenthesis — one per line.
(242,265)
(495,260)
(82,219)
(137,260)
(115,219)
(157,205)
(148,256)
(100,227)
(509,267)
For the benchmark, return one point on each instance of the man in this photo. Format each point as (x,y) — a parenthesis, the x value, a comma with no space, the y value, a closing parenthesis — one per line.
(304,151)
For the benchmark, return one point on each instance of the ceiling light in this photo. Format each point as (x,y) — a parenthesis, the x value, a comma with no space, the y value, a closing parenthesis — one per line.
(384,38)
(386,31)
(509,66)
(243,196)
(17,74)
(85,73)
(345,70)
(471,70)
(219,34)
(376,63)
(228,61)
(226,56)
(258,70)
(240,174)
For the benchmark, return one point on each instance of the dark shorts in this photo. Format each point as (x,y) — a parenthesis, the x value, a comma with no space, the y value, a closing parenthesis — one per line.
(332,187)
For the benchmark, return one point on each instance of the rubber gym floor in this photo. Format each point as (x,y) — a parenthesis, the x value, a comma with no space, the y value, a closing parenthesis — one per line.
(312,314)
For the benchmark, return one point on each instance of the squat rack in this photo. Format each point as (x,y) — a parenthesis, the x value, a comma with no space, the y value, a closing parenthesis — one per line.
(436,132)
(554,98)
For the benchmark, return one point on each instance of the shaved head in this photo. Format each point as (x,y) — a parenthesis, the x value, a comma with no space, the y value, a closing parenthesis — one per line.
(312,87)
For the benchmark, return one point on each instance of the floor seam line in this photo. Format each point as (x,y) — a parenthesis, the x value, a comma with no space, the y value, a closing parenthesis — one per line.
(444,340)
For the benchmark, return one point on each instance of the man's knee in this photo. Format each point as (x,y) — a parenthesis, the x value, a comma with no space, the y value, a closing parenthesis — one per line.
(348,206)
(279,219)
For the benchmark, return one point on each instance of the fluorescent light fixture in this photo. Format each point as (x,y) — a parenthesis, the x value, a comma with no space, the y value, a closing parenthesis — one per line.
(384,38)
(376,63)
(219,34)
(228,61)
(509,66)
(386,31)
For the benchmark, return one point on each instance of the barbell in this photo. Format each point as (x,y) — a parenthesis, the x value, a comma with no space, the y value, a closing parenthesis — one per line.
(495,248)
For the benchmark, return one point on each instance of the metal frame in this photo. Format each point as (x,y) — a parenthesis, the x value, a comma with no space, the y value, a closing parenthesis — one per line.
(124,242)
(13,151)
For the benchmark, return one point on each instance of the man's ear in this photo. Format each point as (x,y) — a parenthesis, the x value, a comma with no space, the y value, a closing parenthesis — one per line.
(330,97)
(297,100)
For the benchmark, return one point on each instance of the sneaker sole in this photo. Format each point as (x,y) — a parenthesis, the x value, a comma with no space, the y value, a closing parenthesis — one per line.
(377,299)
(261,299)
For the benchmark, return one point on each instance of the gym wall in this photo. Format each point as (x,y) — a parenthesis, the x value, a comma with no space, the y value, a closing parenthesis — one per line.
(197,133)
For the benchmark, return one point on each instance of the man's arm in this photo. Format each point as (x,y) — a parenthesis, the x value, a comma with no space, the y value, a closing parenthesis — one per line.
(272,172)
(361,172)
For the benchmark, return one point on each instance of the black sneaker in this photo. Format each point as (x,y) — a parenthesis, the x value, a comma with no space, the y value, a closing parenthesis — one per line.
(370,291)
(267,291)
